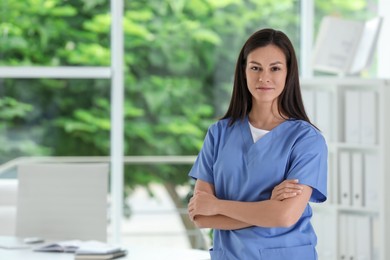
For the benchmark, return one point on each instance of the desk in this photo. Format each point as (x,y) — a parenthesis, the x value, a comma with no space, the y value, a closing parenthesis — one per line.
(134,253)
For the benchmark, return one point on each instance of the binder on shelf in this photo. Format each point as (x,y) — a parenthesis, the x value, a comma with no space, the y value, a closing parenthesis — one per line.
(368,117)
(323,112)
(376,228)
(351,236)
(324,223)
(344,178)
(363,238)
(371,178)
(357,179)
(352,116)
(332,179)
(353,223)
(343,236)
(309,102)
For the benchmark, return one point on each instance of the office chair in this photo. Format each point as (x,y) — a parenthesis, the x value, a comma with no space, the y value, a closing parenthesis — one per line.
(62,201)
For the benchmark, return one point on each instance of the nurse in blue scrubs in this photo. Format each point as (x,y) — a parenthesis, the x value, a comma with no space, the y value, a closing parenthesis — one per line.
(261,163)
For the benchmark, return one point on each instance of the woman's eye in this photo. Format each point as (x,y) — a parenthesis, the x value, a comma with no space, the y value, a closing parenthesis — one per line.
(256,68)
(275,68)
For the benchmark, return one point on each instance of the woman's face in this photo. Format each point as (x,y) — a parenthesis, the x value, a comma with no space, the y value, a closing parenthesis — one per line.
(266,72)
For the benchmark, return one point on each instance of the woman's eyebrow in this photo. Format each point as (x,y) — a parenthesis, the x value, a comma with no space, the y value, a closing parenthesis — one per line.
(276,63)
(271,64)
(255,62)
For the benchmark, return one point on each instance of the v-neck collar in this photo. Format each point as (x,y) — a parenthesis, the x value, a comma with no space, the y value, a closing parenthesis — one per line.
(253,148)
(246,131)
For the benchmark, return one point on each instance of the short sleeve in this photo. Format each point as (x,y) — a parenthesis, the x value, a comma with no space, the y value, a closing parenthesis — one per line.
(309,164)
(203,166)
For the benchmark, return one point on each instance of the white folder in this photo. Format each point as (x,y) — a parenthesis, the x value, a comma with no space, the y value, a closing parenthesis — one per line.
(368,120)
(351,236)
(332,179)
(357,179)
(371,173)
(324,223)
(343,236)
(344,178)
(363,237)
(323,113)
(352,116)
(309,102)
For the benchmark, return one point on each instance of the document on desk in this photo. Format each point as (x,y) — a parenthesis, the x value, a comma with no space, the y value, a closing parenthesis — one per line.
(69,246)
(101,256)
(84,249)
(97,250)
(12,243)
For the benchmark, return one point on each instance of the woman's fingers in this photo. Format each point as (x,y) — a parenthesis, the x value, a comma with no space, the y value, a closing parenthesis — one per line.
(286,189)
(286,195)
(288,186)
(202,203)
(191,209)
(292,184)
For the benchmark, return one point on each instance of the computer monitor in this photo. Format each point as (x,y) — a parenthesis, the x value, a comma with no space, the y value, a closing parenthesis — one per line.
(61,201)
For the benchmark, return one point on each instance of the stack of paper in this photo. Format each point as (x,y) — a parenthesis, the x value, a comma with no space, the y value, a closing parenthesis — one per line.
(69,246)
(84,249)
(98,250)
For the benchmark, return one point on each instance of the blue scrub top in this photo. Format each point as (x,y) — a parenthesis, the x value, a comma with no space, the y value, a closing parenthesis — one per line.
(242,170)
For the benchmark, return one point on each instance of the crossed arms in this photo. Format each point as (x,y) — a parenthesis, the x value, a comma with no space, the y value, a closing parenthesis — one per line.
(287,203)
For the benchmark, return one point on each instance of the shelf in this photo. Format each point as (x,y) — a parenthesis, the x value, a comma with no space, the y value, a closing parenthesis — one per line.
(356,110)
(328,207)
(349,146)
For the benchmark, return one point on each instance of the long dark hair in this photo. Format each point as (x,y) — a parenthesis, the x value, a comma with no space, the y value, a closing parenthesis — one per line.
(290,102)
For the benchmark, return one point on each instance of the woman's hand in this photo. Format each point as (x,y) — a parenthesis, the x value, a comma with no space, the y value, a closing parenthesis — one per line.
(286,189)
(202,203)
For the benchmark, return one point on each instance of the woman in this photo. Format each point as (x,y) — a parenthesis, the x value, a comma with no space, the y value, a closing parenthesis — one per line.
(264,139)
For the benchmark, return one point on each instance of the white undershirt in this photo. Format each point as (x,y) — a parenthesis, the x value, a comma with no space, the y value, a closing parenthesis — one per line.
(257,133)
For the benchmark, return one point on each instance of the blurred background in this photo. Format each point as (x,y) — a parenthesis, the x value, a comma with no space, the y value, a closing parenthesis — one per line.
(178,65)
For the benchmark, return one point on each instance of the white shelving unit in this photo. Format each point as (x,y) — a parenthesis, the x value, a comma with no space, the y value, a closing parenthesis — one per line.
(354,116)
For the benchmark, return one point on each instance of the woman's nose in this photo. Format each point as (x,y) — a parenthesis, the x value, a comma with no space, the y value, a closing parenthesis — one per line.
(263,77)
